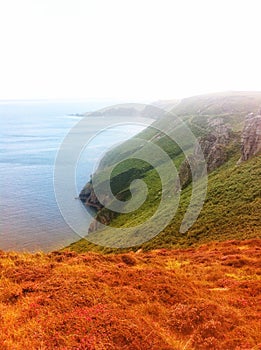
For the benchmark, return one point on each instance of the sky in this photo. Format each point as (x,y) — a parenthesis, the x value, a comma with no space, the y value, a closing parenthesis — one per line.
(133,50)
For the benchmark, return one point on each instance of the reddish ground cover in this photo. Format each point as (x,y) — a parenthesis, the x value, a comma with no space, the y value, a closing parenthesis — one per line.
(204,298)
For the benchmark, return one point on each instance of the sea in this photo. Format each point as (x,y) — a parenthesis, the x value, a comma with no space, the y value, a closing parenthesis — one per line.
(31,135)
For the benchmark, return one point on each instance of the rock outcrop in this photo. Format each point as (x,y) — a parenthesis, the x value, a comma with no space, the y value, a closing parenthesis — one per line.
(214,148)
(102,215)
(251,137)
(89,198)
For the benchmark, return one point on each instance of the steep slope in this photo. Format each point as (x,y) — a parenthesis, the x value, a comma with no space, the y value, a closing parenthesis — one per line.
(232,207)
(231,210)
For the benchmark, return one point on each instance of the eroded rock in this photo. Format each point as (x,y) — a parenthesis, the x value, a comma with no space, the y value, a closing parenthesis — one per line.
(214,148)
(251,137)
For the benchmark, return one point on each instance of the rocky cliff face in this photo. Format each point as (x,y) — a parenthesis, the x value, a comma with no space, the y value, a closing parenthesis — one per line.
(251,137)
(103,215)
(88,197)
(213,146)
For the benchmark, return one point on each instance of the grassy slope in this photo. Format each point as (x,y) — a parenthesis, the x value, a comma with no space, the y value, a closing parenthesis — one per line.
(204,298)
(231,210)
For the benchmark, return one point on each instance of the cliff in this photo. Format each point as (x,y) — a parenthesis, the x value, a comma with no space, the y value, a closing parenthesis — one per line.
(251,137)
(88,197)
(233,196)
(214,147)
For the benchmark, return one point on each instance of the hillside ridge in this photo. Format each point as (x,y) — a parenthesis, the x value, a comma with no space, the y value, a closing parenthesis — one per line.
(223,145)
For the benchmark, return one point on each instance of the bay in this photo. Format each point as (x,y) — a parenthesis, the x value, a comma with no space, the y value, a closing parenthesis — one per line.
(30,136)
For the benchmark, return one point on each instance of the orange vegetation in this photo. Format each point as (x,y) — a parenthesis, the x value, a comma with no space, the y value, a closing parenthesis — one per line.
(204,298)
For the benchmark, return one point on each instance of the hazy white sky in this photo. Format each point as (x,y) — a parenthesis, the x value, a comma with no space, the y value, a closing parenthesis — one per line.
(128,49)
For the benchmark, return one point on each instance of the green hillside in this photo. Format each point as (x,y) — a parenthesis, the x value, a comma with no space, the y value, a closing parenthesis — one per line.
(233,202)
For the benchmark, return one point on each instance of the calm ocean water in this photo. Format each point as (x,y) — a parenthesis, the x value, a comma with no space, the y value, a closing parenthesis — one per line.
(31,133)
